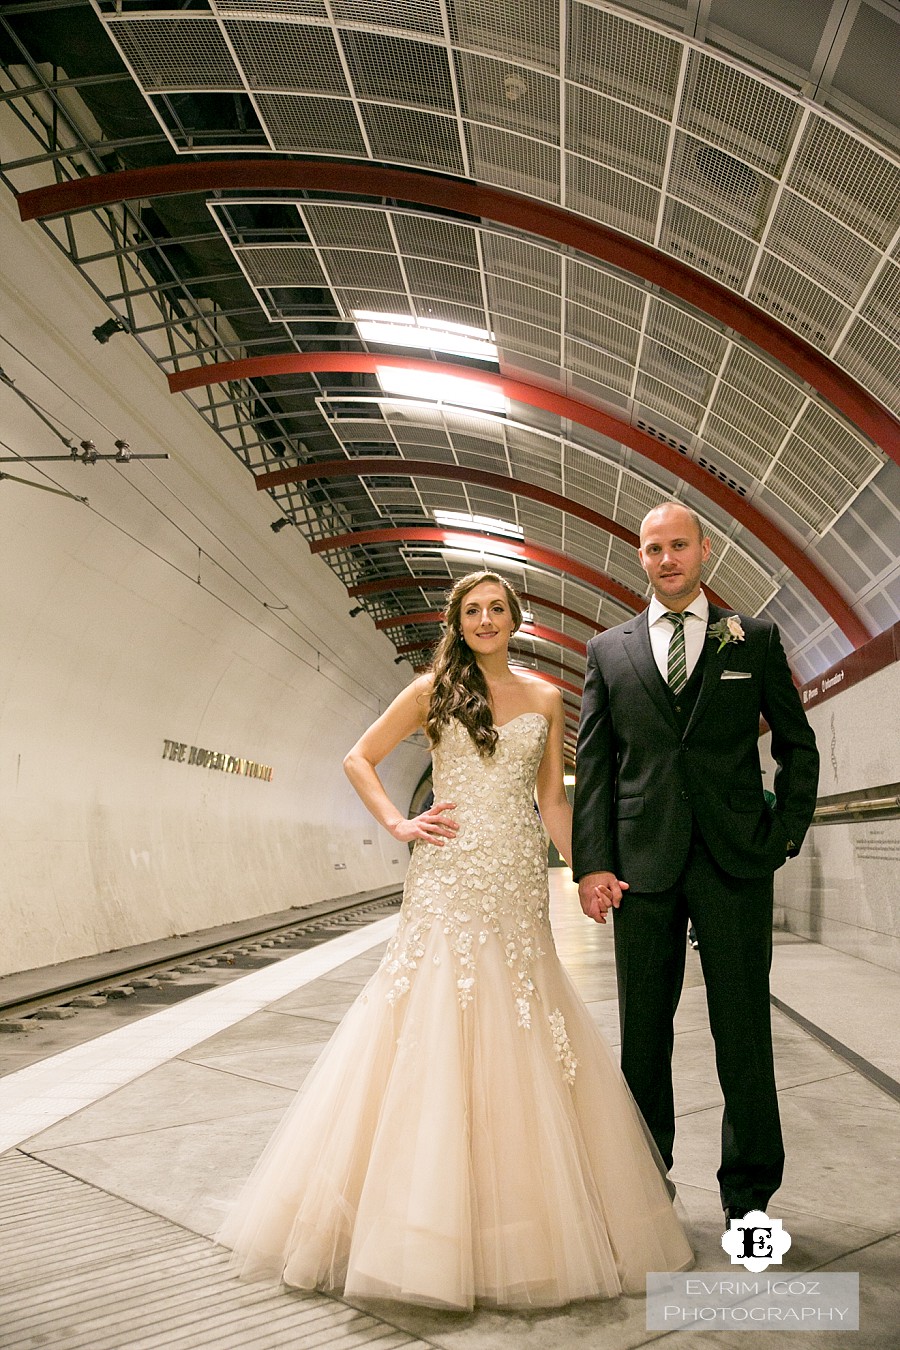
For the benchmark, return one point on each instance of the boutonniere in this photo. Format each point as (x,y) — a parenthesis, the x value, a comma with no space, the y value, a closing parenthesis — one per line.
(727,630)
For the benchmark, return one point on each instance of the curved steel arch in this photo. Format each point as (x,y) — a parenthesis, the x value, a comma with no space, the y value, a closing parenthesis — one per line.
(510,548)
(407,648)
(541,675)
(563,667)
(571,708)
(347,179)
(574,410)
(390,466)
(407,582)
(537,630)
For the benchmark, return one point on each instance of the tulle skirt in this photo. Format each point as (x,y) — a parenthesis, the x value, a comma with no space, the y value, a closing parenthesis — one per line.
(445,1155)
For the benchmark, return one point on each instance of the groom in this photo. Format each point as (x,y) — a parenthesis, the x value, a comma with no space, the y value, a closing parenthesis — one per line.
(671,824)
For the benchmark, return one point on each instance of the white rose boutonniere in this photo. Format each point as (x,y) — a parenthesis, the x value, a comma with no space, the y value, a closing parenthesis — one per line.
(724,631)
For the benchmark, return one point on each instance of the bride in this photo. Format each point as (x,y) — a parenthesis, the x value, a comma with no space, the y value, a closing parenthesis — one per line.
(466,1135)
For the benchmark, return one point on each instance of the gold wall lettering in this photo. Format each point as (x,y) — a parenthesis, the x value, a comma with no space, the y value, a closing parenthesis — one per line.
(181,753)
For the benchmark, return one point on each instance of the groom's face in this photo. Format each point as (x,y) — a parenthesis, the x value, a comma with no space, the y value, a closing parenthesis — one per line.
(672,553)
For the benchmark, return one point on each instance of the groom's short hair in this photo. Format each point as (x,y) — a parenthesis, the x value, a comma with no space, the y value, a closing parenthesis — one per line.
(682,506)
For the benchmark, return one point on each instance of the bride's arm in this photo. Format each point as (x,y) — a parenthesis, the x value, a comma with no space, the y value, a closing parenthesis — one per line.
(553,804)
(404,716)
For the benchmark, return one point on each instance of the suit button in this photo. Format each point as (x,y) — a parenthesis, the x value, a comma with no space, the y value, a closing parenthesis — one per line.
(678,707)
(684,797)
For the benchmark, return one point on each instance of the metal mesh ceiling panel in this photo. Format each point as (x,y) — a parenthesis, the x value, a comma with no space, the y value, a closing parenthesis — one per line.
(548,462)
(601,111)
(658,359)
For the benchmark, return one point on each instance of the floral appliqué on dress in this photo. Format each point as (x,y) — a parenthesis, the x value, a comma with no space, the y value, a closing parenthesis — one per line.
(561,1045)
(489,884)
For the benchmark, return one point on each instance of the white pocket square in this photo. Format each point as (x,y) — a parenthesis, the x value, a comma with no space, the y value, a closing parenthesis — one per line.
(736,675)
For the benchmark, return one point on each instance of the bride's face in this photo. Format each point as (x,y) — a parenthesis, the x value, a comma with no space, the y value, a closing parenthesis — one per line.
(485,619)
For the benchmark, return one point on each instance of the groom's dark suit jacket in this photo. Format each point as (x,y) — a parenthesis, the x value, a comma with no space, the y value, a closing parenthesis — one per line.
(649,766)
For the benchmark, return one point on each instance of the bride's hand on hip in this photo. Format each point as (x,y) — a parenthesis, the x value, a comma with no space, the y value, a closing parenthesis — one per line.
(599,892)
(431,827)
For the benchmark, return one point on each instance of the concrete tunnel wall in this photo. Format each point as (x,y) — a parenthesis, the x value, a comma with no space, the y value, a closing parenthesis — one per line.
(111,647)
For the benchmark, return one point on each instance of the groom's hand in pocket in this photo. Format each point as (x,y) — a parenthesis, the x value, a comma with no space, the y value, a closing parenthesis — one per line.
(599,892)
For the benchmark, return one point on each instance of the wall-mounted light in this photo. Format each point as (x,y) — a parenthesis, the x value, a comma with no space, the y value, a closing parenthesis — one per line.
(104,331)
(357,609)
(280,524)
(398,660)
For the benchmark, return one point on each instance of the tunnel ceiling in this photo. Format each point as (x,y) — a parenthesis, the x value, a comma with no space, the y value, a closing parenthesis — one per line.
(664,237)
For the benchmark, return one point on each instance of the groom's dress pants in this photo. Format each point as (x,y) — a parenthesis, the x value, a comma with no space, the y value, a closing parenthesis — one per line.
(733,923)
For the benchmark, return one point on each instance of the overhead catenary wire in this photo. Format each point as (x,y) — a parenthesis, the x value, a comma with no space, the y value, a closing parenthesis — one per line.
(197,581)
(316,643)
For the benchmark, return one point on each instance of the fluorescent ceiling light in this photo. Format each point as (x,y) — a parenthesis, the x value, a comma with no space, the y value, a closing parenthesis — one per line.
(455,389)
(533,637)
(459,520)
(404,330)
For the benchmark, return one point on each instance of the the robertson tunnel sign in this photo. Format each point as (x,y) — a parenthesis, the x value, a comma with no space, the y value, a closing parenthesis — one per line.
(182,753)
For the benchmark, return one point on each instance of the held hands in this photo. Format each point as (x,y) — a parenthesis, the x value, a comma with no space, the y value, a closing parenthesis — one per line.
(431,826)
(599,892)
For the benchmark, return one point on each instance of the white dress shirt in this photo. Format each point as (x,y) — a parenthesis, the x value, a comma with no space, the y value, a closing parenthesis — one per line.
(661,629)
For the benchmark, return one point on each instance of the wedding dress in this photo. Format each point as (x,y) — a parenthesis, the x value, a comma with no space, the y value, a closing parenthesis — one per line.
(466,1135)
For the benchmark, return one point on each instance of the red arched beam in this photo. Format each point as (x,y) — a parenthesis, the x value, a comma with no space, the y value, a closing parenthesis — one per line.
(540,674)
(384,465)
(539,600)
(561,666)
(574,410)
(422,616)
(510,548)
(407,649)
(572,709)
(405,582)
(408,583)
(552,679)
(527,629)
(494,204)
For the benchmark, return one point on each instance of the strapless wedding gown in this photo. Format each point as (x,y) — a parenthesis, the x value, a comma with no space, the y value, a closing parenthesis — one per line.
(466,1136)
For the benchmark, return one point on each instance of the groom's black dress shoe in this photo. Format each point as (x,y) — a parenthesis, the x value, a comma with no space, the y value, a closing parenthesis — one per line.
(734,1212)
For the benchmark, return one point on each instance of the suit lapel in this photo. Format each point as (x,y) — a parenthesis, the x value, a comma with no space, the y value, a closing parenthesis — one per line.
(712,671)
(636,641)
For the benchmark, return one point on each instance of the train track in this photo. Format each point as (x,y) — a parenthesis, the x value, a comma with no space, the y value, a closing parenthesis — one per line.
(138,988)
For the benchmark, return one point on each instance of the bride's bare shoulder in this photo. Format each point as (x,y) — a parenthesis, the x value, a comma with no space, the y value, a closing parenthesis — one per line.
(423,687)
(542,697)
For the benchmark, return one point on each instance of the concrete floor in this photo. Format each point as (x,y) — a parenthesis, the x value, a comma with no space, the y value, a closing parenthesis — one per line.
(174,1136)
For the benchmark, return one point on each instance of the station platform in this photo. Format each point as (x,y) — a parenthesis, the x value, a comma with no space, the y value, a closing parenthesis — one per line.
(119,1156)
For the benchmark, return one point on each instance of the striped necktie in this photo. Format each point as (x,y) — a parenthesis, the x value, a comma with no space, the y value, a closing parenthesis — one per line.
(677,666)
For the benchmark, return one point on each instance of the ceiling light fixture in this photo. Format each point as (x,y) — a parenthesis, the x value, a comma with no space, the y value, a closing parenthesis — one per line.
(460,520)
(405,330)
(452,389)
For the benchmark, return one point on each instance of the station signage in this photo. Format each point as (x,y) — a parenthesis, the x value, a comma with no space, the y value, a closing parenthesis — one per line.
(875,655)
(182,753)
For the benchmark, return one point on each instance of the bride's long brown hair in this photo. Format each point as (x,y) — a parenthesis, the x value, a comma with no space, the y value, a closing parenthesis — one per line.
(460,690)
